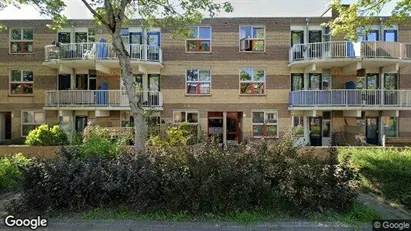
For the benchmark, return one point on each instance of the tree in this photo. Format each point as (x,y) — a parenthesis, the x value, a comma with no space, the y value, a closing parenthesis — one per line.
(364,13)
(114,14)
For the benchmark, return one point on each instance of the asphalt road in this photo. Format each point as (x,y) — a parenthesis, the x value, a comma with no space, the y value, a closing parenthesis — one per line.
(96,225)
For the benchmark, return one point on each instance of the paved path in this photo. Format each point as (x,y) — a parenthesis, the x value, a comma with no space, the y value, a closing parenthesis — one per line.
(186,226)
(385,209)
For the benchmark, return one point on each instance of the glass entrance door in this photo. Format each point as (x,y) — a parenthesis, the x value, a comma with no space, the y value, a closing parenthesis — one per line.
(234,127)
(326,132)
(81,123)
(315,131)
(372,130)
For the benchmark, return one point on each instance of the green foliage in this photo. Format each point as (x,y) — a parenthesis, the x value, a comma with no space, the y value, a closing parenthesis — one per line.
(175,136)
(45,135)
(200,178)
(384,170)
(96,144)
(9,171)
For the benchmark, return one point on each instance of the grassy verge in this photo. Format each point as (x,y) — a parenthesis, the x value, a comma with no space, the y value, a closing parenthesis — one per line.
(357,215)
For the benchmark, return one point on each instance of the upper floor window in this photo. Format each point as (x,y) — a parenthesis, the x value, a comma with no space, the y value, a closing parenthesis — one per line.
(198,81)
(80,35)
(252,81)
(390,35)
(252,38)
(297,81)
(191,117)
(21,41)
(265,123)
(199,39)
(30,120)
(21,82)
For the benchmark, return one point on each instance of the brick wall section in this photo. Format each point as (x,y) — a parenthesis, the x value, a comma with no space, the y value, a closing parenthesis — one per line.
(45,152)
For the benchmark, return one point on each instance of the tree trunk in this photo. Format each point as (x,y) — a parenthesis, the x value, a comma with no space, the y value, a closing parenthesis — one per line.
(126,74)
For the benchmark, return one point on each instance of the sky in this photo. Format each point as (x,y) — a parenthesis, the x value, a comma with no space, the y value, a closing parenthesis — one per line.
(242,8)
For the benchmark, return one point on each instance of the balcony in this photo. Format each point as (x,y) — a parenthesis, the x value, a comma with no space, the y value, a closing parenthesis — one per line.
(99,56)
(343,99)
(340,53)
(100,100)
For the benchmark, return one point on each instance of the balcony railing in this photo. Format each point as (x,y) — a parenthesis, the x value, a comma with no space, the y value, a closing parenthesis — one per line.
(350,98)
(100,98)
(345,49)
(100,51)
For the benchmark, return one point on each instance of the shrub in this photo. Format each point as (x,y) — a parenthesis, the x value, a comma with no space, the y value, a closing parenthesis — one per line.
(95,144)
(199,178)
(384,170)
(175,136)
(9,171)
(45,135)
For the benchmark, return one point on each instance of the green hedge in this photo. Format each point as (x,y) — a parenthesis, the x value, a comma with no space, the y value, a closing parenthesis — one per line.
(384,170)
(45,135)
(10,175)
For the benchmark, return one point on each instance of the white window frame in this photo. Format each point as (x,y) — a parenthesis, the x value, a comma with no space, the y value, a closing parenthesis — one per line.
(266,123)
(186,116)
(20,82)
(31,123)
(21,40)
(198,81)
(252,37)
(199,39)
(252,79)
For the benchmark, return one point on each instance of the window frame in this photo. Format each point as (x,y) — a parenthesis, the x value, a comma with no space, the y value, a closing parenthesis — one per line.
(252,81)
(22,123)
(199,40)
(198,82)
(293,76)
(265,124)
(186,115)
(251,27)
(21,40)
(396,126)
(20,82)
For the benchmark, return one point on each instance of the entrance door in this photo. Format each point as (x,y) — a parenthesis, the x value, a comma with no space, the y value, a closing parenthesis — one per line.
(7,127)
(215,125)
(234,127)
(153,42)
(81,123)
(315,131)
(372,130)
(315,47)
(326,132)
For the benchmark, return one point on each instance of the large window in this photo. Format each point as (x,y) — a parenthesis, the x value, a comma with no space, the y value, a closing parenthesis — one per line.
(191,117)
(30,120)
(265,123)
(390,126)
(21,41)
(199,39)
(297,81)
(252,81)
(21,82)
(198,82)
(252,38)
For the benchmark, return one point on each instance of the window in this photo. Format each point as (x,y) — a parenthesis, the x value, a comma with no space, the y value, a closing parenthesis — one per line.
(265,123)
(198,82)
(21,41)
(21,82)
(252,81)
(191,117)
(297,81)
(199,39)
(252,38)
(390,126)
(30,120)
(298,126)
(390,35)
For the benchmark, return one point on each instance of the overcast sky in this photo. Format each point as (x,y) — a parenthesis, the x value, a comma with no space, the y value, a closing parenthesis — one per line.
(242,8)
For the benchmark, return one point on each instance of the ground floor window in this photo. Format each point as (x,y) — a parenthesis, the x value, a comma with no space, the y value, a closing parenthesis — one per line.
(191,117)
(30,120)
(265,123)
(390,126)
(298,125)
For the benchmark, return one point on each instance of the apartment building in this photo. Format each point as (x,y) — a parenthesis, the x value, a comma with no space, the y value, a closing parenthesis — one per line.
(241,78)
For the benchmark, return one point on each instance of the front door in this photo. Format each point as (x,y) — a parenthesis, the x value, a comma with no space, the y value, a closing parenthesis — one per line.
(372,130)
(81,123)
(326,132)
(315,131)
(216,125)
(234,127)
(153,42)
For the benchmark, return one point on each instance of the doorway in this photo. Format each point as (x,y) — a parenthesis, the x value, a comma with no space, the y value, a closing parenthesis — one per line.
(216,125)
(315,131)
(81,123)
(153,42)
(371,130)
(5,126)
(234,127)
(232,131)
(315,38)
